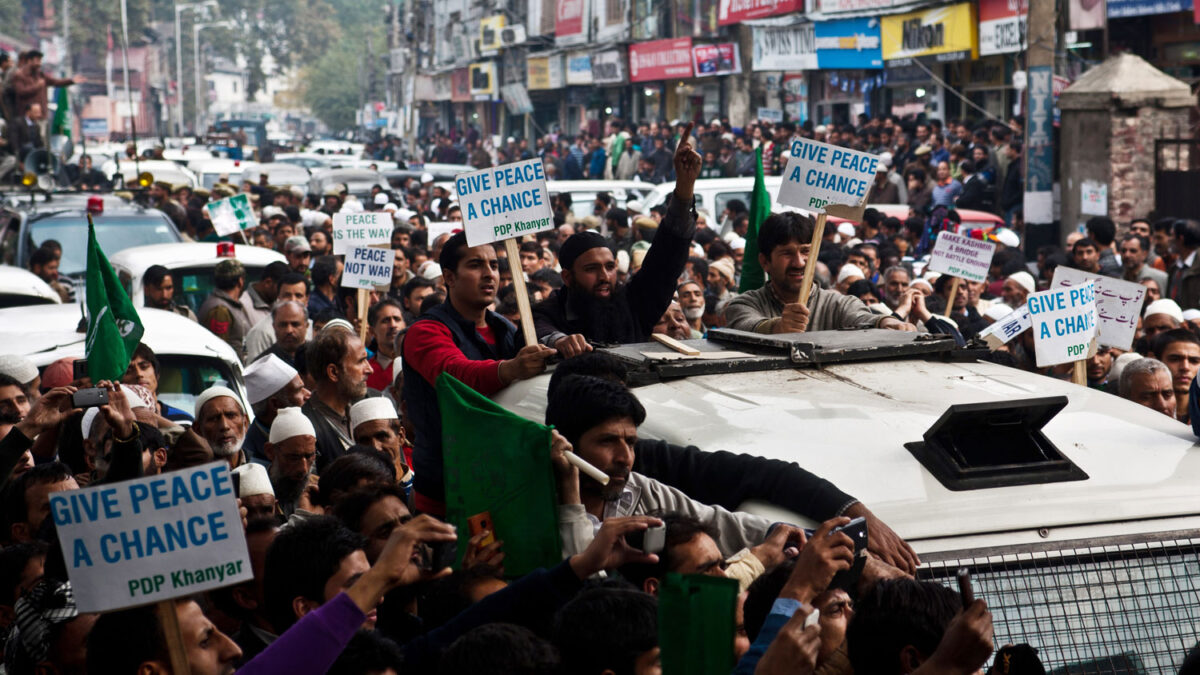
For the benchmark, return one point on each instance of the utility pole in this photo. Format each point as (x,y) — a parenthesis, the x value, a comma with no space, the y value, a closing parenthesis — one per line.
(179,9)
(1038,155)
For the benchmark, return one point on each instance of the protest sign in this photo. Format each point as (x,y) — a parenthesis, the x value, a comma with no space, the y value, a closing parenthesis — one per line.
(1093,198)
(360,229)
(1064,324)
(435,230)
(368,267)
(231,215)
(696,624)
(1003,331)
(961,256)
(829,179)
(502,203)
(499,462)
(156,538)
(1118,304)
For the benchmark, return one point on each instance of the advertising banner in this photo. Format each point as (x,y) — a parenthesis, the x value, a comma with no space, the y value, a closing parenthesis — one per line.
(785,47)
(946,33)
(660,60)
(720,59)
(848,44)
(1002,26)
(731,12)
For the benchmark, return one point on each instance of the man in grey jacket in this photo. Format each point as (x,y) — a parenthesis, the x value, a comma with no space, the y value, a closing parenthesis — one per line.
(600,419)
(783,251)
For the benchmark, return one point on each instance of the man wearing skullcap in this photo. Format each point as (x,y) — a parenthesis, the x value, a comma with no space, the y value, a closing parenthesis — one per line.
(22,370)
(292,449)
(591,306)
(374,422)
(271,384)
(255,491)
(222,421)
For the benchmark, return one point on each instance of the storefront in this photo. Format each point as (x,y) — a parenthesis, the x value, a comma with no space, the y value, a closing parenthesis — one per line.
(705,96)
(545,78)
(1165,28)
(916,46)
(781,55)
(610,95)
(579,93)
(658,69)
(850,59)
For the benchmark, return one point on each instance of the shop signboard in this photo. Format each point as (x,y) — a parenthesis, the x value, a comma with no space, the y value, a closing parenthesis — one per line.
(795,96)
(579,68)
(843,6)
(1119,9)
(939,34)
(608,67)
(785,47)
(731,12)
(1002,26)
(483,81)
(660,60)
(1086,14)
(570,28)
(460,85)
(1039,151)
(720,59)
(544,72)
(848,44)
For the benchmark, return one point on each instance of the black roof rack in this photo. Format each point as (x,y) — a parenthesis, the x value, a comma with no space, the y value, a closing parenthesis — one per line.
(973,446)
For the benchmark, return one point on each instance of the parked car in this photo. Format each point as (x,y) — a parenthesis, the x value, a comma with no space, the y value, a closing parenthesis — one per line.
(191,267)
(20,288)
(583,192)
(358,181)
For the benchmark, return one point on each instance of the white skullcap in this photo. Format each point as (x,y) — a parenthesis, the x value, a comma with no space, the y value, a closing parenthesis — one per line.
(1024,280)
(1164,306)
(997,311)
(921,282)
(297,192)
(338,324)
(18,367)
(738,244)
(381,198)
(1119,363)
(431,270)
(266,376)
(370,409)
(272,211)
(849,271)
(426,177)
(634,205)
(1191,314)
(89,417)
(1007,237)
(697,250)
(254,480)
(623,261)
(847,230)
(390,208)
(853,242)
(216,391)
(885,159)
(290,423)
(402,215)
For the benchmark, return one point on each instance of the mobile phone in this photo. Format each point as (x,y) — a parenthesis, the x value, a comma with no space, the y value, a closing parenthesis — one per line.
(848,579)
(89,398)
(79,369)
(480,522)
(438,555)
(964,587)
(655,539)
(237,484)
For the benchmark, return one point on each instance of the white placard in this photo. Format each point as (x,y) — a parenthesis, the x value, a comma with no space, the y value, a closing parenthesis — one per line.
(361,229)
(1003,331)
(961,256)
(435,230)
(231,215)
(1118,304)
(1064,323)
(1093,198)
(140,541)
(819,174)
(770,114)
(368,267)
(504,202)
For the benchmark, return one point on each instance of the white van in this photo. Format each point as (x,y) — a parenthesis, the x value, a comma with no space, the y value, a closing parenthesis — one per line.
(712,194)
(191,266)
(1076,512)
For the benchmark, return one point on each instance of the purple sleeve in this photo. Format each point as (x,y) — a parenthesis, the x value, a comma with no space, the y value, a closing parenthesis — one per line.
(313,643)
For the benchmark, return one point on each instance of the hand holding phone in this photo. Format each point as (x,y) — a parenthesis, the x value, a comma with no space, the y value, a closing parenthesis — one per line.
(90,398)
(847,579)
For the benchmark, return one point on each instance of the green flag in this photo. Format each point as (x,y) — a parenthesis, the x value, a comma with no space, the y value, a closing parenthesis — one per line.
(113,327)
(760,209)
(499,462)
(696,624)
(61,126)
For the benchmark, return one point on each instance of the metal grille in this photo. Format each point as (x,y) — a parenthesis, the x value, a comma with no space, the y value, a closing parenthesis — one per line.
(1119,605)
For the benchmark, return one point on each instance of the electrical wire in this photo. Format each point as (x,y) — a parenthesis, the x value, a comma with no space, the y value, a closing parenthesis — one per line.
(954,91)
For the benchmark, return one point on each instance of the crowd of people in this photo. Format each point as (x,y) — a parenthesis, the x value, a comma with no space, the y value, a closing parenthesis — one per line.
(339,444)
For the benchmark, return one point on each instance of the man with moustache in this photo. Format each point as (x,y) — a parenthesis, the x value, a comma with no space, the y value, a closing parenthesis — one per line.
(691,300)
(222,421)
(292,449)
(590,306)
(465,338)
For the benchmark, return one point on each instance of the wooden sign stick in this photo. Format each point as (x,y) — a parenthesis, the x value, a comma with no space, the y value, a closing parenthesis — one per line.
(810,268)
(953,294)
(1079,373)
(175,648)
(514,264)
(364,299)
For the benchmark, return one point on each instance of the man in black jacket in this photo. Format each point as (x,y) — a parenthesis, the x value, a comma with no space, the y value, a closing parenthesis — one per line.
(974,194)
(590,305)
(1012,192)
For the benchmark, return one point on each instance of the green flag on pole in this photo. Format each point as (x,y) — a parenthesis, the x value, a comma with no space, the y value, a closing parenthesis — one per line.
(113,326)
(760,209)
(498,462)
(61,126)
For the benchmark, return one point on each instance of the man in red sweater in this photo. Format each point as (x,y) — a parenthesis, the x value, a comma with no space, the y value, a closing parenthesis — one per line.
(463,337)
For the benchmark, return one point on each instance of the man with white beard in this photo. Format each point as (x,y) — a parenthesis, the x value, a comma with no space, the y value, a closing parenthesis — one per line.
(292,449)
(223,422)
(691,300)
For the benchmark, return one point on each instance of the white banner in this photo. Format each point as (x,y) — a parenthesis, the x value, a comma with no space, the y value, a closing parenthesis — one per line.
(140,541)
(785,48)
(1118,304)
(368,267)
(1064,324)
(962,257)
(504,202)
(360,229)
(819,174)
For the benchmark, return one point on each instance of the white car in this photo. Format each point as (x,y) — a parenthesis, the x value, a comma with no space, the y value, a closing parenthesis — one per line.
(191,267)
(712,194)
(20,287)
(210,169)
(278,173)
(191,359)
(308,160)
(1075,511)
(583,192)
(159,169)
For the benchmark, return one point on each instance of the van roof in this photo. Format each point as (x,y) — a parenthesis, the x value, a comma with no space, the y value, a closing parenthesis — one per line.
(137,259)
(849,423)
